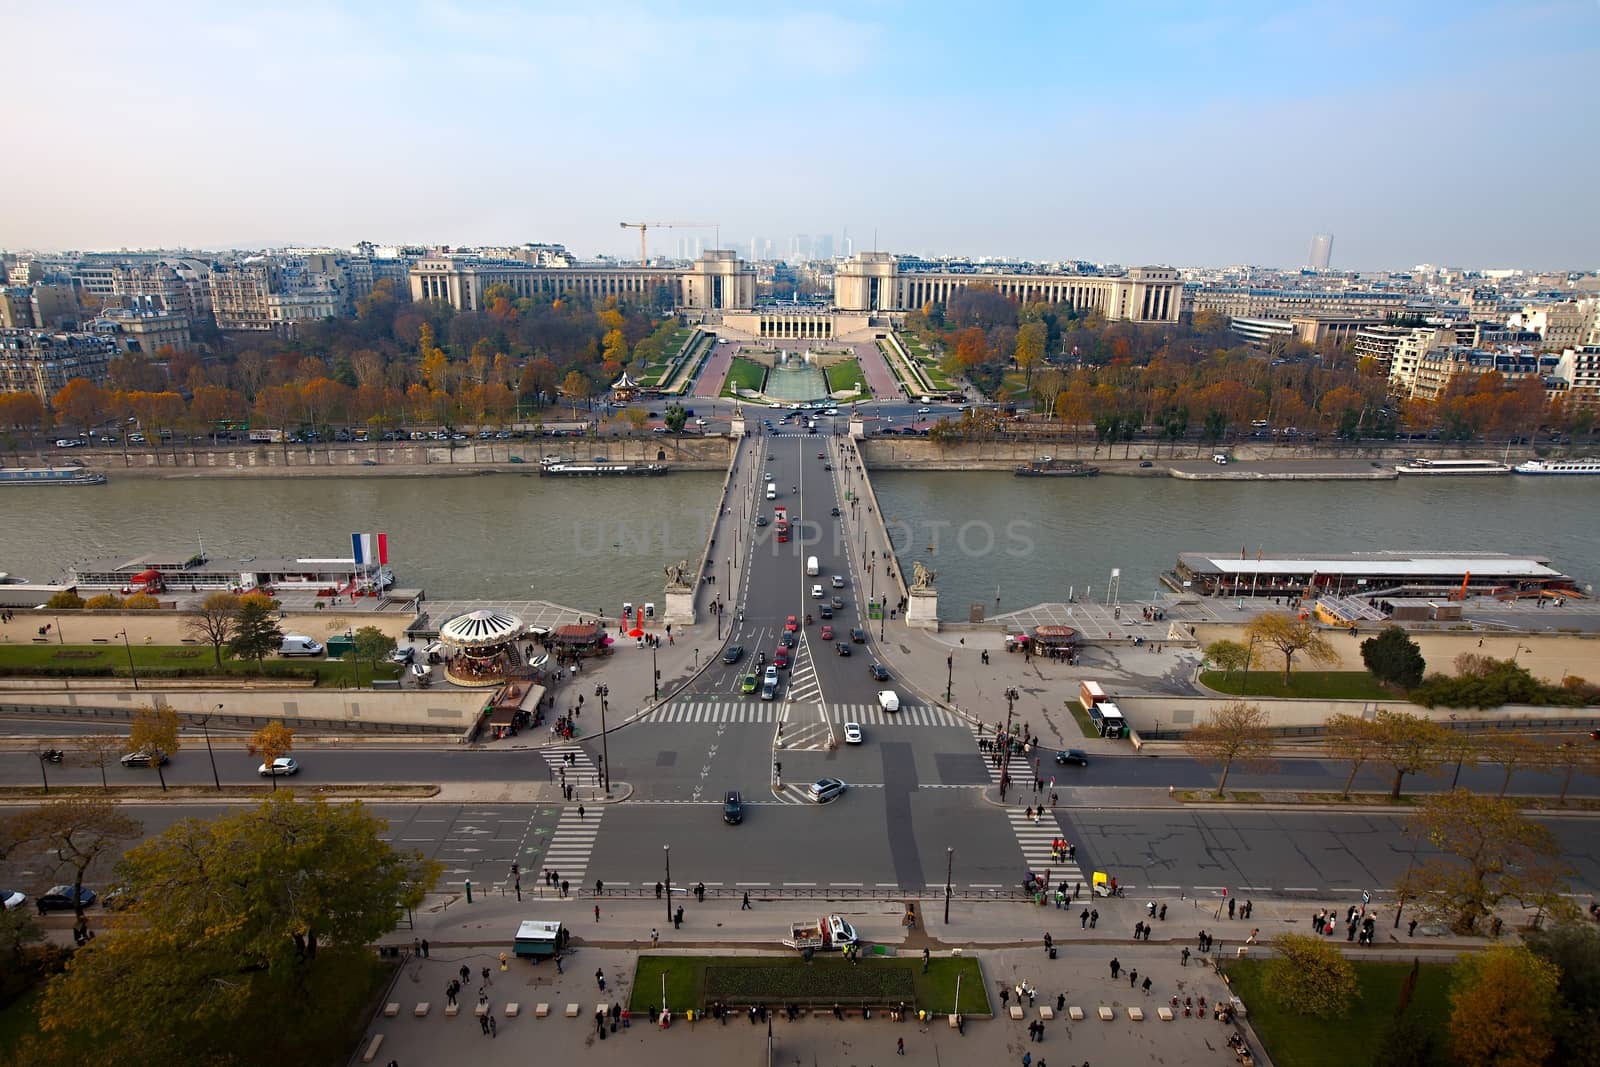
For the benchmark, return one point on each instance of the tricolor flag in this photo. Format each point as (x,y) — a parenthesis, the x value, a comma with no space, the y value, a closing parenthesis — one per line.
(362,547)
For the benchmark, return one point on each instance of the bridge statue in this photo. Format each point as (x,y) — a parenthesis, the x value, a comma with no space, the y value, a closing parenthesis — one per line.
(675,572)
(922,577)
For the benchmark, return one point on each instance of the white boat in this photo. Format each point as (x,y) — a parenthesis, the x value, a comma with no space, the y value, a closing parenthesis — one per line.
(1453,466)
(1559,466)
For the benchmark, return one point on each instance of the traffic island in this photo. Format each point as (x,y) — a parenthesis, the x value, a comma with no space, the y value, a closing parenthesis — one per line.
(877,981)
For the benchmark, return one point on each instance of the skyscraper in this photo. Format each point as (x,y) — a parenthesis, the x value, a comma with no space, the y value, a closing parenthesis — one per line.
(1321,251)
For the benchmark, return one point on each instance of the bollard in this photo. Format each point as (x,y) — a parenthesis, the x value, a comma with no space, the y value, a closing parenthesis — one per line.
(469,890)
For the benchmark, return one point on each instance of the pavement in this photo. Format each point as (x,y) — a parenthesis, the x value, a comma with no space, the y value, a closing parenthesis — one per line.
(1005,938)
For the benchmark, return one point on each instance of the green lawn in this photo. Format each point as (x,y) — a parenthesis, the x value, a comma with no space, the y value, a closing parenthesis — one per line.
(847,375)
(1324,685)
(1297,1041)
(1081,717)
(169,661)
(694,981)
(743,374)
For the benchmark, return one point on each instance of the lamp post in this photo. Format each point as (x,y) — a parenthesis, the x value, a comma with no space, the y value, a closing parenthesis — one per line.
(355,659)
(205,726)
(949,674)
(949,865)
(883,616)
(655,674)
(666,850)
(129,649)
(1005,742)
(60,638)
(604,691)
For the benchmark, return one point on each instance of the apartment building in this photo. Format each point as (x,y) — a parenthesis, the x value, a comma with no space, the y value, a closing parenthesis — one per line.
(146,332)
(42,361)
(1439,366)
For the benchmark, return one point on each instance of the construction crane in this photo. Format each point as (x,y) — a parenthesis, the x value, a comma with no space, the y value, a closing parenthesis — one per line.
(645,227)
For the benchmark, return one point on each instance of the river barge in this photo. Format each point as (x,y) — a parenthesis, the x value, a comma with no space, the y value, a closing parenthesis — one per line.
(167,571)
(1048,467)
(1453,467)
(50,476)
(1559,466)
(602,470)
(1450,575)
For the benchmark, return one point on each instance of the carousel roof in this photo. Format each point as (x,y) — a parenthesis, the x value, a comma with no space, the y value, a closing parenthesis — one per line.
(625,382)
(481,628)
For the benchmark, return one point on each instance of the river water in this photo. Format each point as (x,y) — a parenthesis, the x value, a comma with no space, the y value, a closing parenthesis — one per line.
(587,543)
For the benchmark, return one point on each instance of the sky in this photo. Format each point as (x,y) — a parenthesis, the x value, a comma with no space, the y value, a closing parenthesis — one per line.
(1191,134)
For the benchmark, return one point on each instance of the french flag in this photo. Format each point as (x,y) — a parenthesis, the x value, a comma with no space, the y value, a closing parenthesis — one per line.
(362,547)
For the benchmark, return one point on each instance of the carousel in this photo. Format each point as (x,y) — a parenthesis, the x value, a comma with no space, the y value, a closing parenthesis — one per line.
(1056,642)
(484,645)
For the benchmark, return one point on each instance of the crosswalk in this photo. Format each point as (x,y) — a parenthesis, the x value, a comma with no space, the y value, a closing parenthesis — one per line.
(574,837)
(1034,837)
(771,711)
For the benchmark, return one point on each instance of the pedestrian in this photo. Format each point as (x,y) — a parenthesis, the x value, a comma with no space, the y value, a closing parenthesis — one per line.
(1005,997)
(1163,915)
(655,937)
(1094,918)
(1138,931)
(1249,906)
(424,948)
(580,811)
(1231,904)
(563,887)
(925,957)
(466,974)
(483,1021)
(1411,928)
(494,1031)
(597,913)
(1027,1059)
(746,905)
(1084,919)
(1133,977)
(1252,938)
(416,947)
(450,993)
(1116,966)
(1146,985)
(600,978)
(1185,955)
(486,979)
(1151,908)
(899,1046)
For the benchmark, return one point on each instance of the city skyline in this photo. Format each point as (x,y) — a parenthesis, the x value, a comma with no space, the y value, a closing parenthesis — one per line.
(1193,137)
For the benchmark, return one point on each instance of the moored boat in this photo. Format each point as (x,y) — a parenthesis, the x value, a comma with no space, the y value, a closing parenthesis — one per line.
(1049,467)
(1559,466)
(50,476)
(1452,466)
(602,470)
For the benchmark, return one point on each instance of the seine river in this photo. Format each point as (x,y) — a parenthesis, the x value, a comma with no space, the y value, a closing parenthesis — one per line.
(589,543)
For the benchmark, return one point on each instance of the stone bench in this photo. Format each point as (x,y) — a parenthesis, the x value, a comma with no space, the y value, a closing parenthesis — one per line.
(1106,1014)
(421,1010)
(512,1008)
(452,1010)
(1136,1014)
(541,1010)
(391,1009)
(480,1009)
(1164,1013)
(1015,1011)
(372,1048)
(1046,1012)
(572,1011)
(1075,1013)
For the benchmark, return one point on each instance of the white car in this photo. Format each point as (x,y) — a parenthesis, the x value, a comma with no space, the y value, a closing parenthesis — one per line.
(838,581)
(888,700)
(852,733)
(924,411)
(281,767)
(11,898)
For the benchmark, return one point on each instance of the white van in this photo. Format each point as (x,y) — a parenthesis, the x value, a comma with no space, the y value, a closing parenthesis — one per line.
(811,566)
(1220,459)
(772,491)
(888,700)
(299,645)
(816,592)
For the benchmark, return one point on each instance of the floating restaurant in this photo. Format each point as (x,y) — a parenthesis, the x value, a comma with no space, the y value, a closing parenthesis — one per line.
(1369,574)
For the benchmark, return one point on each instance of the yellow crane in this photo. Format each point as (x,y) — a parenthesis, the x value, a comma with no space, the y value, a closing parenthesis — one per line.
(645,227)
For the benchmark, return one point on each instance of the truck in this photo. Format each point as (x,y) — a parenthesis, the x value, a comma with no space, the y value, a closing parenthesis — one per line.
(830,931)
(266,437)
(1107,718)
(780,517)
(539,939)
(1090,694)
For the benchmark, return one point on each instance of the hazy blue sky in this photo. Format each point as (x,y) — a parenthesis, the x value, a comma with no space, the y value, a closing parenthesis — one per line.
(1185,133)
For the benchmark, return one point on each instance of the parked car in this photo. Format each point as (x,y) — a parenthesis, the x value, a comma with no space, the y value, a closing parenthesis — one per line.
(145,758)
(403,656)
(59,898)
(11,898)
(281,767)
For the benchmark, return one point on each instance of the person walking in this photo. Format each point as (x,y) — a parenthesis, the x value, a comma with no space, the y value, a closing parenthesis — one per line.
(899,1046)
(1185,955)
(494,1031)
(1133,977)
(1094,918)
(486,979)
(655,937)
(746,905)
(483,1021)
(1232,903)
(597,913)
(1146,985)
(1084,919)
(600,978)
(1116,966)
(466,974)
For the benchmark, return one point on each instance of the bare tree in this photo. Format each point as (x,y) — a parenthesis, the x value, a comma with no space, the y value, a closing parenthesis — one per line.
(212,622)
(1234,733)
(102,750)
(77,831)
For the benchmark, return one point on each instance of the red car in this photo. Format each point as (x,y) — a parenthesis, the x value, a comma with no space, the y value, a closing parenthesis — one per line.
(783,536)
(791,624)
(780,658)
(827,632)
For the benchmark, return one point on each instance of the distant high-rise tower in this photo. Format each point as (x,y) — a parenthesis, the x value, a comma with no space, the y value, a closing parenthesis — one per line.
(1321,251)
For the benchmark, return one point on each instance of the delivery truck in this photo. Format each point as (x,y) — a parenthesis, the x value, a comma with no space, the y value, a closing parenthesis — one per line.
(830,931)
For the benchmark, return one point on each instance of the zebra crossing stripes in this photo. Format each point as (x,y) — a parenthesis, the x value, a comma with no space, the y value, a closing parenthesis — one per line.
(1034,838)
(573,841)
(989,763)
(771,711)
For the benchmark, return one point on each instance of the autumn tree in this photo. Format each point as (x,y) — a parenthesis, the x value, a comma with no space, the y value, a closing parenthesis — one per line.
(238,923)
(372,644)
(1503,1008)
(81,403)
(155,730)
(1512,751)
(212,622)
(576,388)
(1575,950)
(1354,740)
(1310,976)
(1228,656)
(102,750)
(272,741)
(1048,385)
(1568,758)
(1410,744)
(1029,352)
(73,833)
(255,630)
(1394,658)
(1291,636)
(1486,854)
(1234,733)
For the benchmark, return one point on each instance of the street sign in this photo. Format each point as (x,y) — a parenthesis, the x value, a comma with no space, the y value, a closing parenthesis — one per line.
(1366,897)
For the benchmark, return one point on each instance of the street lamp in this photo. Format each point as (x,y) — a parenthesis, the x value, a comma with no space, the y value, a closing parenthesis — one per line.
(604,691)
(355,660)
(655,674)
(205,726)
(949,865)
(949,674)
(129,649)
(1005,741)
(667,851)
(883,616)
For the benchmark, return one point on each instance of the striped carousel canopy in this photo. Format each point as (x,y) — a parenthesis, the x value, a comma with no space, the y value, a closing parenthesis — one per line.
(478,628)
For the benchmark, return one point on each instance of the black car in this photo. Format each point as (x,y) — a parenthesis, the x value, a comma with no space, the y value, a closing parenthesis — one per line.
(733,808)
(826,612)
(858,635)
(1075,756)
(789,640)
(734,654)
(880,672)
(761,520)
(60,898)
(843,648)
(834,512)
(144,759)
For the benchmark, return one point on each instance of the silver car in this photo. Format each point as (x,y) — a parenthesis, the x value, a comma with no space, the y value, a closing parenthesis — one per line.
(825,789)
